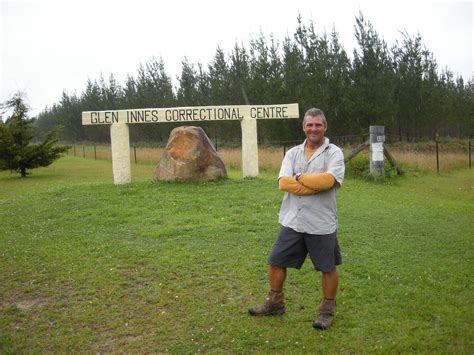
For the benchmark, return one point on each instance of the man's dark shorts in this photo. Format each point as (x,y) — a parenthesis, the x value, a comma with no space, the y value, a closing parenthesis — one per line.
(291,248)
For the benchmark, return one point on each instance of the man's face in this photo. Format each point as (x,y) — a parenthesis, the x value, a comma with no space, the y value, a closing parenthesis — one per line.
(314,130)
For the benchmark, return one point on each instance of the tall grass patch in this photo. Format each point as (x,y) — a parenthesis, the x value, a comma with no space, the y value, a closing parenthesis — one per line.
(413,157)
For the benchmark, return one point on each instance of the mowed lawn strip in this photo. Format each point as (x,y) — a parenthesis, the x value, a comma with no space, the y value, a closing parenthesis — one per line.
(154,267)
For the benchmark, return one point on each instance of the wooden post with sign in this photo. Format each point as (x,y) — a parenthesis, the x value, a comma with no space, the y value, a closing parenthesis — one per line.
(377,139)
(377,151)
(246,114)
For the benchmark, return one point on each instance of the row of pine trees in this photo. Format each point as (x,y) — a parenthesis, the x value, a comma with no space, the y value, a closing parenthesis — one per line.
(400,87)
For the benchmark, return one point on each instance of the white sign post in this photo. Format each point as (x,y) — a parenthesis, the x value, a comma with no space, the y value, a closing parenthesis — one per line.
(377,139)
(249,147)
(246,114)
(120,144)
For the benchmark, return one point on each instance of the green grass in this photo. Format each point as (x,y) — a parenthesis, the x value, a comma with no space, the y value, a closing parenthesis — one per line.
(153,267)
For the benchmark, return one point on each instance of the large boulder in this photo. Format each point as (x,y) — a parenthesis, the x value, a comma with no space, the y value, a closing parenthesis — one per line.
(189,156)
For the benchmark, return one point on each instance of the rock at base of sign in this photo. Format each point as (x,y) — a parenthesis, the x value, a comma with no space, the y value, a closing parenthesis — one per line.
(189,156)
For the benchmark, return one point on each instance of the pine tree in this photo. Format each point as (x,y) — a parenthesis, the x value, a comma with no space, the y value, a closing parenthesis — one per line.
(17,153)
(188,94)
(239,76)
(408,89)
(372,76)
(219,78)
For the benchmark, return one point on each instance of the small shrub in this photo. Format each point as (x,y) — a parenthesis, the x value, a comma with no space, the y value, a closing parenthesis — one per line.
(359,167)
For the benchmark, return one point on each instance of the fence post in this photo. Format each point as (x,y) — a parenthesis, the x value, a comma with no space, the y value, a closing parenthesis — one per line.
(135,154)
(284,149)
(84,151)
(74,150)
(95,152)
(377,138)
(469,154)
(437,158)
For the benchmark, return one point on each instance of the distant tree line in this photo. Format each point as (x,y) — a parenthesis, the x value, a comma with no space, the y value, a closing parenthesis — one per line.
(400,87)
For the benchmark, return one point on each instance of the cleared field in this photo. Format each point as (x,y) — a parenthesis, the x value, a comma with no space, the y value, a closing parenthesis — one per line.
(152,267)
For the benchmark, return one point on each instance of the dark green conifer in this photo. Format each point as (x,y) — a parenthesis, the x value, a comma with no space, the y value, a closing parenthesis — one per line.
(17,153)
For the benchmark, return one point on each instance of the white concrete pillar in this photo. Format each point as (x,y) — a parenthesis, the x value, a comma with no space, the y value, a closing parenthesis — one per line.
(120,143)
(249,147)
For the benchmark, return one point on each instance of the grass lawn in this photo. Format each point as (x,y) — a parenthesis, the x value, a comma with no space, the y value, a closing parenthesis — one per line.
(86,266)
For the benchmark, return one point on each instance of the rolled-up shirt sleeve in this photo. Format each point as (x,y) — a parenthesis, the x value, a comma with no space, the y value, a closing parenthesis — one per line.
(286,165)
(336,166)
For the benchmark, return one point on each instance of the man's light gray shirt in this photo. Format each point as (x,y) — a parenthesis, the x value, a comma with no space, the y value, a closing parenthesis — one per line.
(314,214)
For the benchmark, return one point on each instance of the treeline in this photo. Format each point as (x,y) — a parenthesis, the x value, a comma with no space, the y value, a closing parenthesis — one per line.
(400,87)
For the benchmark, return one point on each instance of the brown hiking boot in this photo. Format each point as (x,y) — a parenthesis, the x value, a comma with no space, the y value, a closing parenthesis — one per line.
(327,311)
(274,305)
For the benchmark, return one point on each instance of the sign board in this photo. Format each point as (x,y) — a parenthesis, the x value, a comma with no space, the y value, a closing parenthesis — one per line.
(246,114)
(190,114)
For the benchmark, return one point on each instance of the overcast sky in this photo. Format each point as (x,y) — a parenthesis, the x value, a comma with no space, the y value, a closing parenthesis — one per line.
(50,46)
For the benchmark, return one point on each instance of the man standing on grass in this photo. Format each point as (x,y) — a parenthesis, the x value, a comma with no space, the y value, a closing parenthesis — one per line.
(309,175)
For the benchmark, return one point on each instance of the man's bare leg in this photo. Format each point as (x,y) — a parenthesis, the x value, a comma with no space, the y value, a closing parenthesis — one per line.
(276,277)
(327,306)
(329,283)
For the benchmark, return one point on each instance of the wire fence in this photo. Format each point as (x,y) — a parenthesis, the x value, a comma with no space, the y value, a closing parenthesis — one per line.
(441,156)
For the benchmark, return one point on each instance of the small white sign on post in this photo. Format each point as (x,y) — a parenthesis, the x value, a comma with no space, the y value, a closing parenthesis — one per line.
(246,114)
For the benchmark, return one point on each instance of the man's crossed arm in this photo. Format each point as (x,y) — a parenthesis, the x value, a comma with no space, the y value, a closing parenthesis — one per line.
(306,184)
